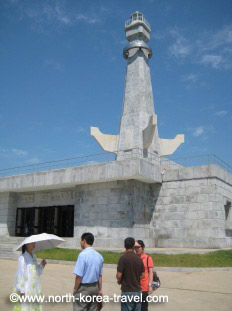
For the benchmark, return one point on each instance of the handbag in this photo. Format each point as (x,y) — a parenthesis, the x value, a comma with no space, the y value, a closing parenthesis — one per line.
(156,280)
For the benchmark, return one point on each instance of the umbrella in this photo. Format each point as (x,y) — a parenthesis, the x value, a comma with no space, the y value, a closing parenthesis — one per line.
(42,241)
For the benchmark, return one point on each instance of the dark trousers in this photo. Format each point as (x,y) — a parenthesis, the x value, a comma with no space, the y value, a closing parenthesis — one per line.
(144,305)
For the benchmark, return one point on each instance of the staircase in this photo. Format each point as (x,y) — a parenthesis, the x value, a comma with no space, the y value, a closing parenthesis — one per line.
(8,245)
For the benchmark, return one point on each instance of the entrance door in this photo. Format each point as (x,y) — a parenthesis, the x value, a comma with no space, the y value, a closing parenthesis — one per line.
(57,220)
(66,221)
(25,222)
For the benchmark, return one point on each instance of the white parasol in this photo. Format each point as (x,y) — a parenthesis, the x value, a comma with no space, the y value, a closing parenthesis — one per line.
(42,241)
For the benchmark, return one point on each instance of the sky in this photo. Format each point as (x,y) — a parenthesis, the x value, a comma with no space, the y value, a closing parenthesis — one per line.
(62,71)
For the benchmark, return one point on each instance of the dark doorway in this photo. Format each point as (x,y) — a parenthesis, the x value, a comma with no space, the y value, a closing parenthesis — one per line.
(57,220)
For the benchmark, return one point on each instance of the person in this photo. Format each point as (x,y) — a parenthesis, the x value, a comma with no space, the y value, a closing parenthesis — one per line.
(28,278)
(146,282)
(130,271)
(88,271)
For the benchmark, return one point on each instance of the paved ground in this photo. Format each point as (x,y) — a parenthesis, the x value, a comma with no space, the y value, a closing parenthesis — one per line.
(188,291)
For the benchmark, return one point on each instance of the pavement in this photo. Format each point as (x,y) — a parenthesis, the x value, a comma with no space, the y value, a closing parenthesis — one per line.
(188,291)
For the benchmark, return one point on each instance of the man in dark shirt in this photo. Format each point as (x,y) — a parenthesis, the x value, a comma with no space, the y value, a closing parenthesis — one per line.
(129,272)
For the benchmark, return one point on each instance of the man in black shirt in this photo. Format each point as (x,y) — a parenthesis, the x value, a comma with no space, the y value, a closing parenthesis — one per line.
(129,272)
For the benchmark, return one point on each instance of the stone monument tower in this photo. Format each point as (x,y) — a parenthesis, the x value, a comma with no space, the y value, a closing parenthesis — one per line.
(138,130)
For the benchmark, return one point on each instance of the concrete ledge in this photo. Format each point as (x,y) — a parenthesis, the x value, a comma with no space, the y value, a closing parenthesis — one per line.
(198,172)
(133,168)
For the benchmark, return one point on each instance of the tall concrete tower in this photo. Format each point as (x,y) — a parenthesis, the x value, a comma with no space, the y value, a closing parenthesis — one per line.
(138,130)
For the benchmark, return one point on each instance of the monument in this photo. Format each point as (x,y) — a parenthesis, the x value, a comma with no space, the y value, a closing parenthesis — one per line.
(138,131)
(141,193)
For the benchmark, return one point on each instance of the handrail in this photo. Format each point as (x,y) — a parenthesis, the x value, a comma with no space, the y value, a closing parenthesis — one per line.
(200,160)
(164,162)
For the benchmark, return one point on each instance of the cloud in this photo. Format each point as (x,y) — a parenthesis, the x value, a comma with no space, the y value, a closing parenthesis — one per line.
(198,131)
(211,49)
(180,48)
(80,129)
(13,152)
(56,14)
(19,152)
(202,131)
(216,48)
(48,13)
(221,38)
(88,19)
(191,78)
(216,61)
(220,113)
(33,160)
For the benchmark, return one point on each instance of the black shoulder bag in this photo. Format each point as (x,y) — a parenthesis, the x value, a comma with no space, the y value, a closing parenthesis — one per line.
(156,280)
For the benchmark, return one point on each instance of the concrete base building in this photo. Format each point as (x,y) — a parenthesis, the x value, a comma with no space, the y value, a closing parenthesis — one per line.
(140,193)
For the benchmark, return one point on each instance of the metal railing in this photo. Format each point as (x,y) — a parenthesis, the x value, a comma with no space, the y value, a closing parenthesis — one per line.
(80,161)
(163,162)
(201,160)
(135,19)
(58,164)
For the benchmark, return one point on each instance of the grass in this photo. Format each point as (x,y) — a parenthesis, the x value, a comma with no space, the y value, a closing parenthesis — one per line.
(221,258)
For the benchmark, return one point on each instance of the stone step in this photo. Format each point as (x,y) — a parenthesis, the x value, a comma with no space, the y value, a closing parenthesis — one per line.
(6,257)
(10,242)
(8,245)
(6,249)
(11,238)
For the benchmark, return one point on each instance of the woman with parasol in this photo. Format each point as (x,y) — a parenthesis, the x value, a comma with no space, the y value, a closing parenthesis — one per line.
(29,271)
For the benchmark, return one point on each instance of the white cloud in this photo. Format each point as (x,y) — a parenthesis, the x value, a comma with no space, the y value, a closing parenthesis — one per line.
(19,152)
(180,48)
(191,78)
(220,113)
(45,16)
(33,160)
(87,18)
(213,49)
(42,14)
(202,131)
(221,38)
(14,152)
(48,13)
(216,48)
(198,131)
(216,61)
(80,129)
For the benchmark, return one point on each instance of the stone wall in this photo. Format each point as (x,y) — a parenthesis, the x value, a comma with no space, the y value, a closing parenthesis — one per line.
(111,210)
(4,197)
(190,209)
(115,210)
(7,213)
(11,219)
